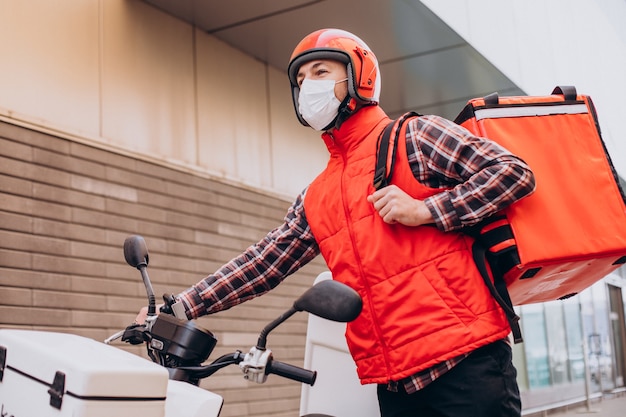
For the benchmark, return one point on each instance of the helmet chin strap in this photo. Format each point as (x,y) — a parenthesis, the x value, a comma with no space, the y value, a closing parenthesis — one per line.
(346,109)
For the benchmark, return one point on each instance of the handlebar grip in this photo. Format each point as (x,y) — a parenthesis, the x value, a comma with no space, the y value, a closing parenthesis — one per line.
(291,372)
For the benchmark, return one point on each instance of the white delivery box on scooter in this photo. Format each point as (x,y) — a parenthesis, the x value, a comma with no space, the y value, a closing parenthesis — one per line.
(45,374)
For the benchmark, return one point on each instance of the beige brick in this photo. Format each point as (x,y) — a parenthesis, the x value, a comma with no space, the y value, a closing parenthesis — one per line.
(12,167)
(191,221)
(225,242)
(103,188)
(68,163)
(12,185)
(80,318)
(34,316)
(250,207)
(70,231)
(224,214)
(187,249)
(244,193)
(103,220)
(15,259)
(240,231)
(36,208)
(262,224)
(64,265)
(15,204)
(134,210)
(70,301)
(16,150)
(48,210)
(176,263)
(107,286)
(163,172)
(67,196)
(34,138)
(115,237)
(101,156)
(14,132)
(31,171)
(28,242)
(151,198)
(191,192)
(165,230)
(87,250)
(129,305)
(121,271)
(16,222)
(27,278)
(137,180)
(16,296)
(219,254)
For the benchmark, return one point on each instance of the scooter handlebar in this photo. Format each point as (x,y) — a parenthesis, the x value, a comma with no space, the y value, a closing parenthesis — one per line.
(291,372)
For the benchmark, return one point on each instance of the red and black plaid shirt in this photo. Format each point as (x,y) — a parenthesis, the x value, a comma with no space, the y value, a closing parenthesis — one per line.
(477,178)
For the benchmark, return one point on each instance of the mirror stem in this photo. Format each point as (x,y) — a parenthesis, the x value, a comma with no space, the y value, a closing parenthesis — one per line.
(146,282)
(263,337)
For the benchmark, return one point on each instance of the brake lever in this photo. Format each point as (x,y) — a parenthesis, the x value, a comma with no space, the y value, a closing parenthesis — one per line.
(135,334)
(114,337)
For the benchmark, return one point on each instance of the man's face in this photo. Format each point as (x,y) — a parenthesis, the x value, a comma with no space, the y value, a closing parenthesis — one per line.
(325,69)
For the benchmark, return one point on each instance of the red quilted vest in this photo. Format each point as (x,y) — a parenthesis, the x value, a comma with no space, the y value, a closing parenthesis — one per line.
(423,299)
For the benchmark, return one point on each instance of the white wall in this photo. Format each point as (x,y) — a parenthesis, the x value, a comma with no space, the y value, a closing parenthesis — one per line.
(539,44)
(125,75)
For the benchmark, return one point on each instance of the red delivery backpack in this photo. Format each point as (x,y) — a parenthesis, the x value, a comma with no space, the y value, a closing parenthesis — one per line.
(571,232)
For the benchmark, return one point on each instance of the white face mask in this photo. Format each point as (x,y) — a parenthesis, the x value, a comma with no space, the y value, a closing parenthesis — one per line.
(317,102)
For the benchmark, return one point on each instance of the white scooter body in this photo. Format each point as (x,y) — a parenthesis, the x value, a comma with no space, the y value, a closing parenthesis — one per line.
(186,400)
(98,380)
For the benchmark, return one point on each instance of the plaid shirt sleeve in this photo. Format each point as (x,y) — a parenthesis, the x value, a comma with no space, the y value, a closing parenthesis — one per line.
(477,176)
(258,269)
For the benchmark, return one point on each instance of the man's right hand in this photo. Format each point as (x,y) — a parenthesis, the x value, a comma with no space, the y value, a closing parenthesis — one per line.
(396,206)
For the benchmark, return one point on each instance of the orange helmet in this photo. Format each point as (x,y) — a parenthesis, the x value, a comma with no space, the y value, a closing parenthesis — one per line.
(342,46)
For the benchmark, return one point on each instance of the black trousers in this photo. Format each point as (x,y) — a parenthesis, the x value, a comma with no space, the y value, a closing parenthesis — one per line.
(482,385)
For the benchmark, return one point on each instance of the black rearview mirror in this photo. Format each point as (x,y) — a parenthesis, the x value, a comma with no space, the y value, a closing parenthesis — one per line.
(331,300)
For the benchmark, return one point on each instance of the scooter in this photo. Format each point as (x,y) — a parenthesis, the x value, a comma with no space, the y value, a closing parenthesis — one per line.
(177,346)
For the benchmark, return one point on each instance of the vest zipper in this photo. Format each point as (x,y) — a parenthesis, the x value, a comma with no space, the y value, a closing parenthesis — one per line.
(357,257)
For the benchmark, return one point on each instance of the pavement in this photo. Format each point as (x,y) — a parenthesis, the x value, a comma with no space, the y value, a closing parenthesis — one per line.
(608,406)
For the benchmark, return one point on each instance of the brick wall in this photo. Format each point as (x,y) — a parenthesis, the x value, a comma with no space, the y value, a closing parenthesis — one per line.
(66,208)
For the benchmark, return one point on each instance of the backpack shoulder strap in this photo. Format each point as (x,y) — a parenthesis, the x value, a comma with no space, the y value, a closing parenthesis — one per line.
(382,175)
(497,288)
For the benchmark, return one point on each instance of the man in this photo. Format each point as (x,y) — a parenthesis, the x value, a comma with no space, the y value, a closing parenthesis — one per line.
(430,334)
